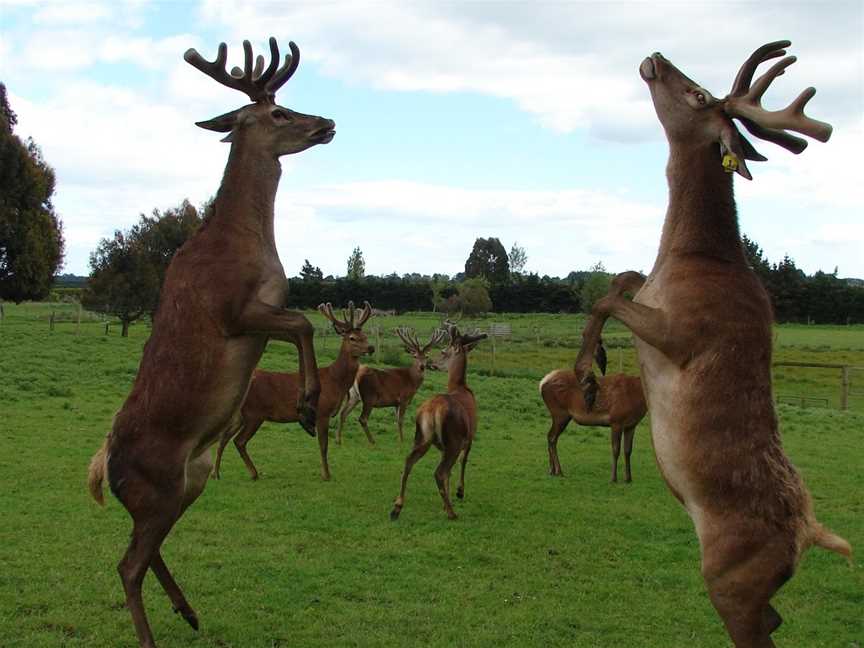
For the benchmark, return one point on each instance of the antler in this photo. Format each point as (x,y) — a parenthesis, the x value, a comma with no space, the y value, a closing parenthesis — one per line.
(437,337)
(743,102)
(409,338)
(347,323)
(258,84)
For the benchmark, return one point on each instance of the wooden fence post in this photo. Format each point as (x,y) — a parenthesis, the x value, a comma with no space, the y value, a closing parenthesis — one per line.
(51,321)
(493,354)
(844,388)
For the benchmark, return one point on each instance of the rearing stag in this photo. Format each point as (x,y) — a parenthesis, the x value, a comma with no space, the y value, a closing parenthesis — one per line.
(222,299)
(702,323)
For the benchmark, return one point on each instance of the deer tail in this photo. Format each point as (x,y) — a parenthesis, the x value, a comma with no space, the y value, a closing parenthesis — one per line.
(822,537)
(96,474)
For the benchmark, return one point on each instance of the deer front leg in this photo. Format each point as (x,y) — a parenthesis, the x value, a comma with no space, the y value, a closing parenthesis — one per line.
(263,319)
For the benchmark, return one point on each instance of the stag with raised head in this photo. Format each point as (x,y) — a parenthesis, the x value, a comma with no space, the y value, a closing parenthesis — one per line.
(702,323)
(390,387)
(222,299)
(273,395)
(619,405)
(447,421)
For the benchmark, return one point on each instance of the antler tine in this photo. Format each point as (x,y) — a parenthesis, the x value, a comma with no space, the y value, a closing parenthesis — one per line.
(327,311)
(285,72)
(349,315)
(274,63)
(745,103)
(365,314)
(436,339)
(764,53)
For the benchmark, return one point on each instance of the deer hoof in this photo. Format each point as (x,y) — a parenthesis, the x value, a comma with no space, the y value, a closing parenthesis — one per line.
(460,493)
(189,615)
(394,514)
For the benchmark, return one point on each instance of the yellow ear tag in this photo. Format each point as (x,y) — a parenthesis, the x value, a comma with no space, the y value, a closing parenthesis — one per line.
(730,163)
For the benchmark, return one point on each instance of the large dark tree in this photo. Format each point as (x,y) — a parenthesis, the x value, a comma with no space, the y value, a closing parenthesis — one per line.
(310,273)
(31,236)
(756,259)
(127,270)
(488,260)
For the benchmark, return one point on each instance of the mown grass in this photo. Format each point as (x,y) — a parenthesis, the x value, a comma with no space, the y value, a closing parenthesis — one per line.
(291,560)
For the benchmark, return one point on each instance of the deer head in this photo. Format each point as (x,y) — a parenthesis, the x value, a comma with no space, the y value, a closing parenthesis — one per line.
(690,114)
(419,352)
(354,340)
(262,124)
(460,344)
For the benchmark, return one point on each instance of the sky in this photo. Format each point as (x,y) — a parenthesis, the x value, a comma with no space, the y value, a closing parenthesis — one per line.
(526,121)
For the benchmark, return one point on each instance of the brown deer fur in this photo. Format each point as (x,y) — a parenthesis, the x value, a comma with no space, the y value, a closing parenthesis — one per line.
(702,323)
(273,396)
(222,299)
(447,421)
(389,387)
(619,405)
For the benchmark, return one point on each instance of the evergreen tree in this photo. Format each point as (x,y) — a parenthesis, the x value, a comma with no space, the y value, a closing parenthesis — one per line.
(31,235)
(488,260)
(356,265)
(310,273)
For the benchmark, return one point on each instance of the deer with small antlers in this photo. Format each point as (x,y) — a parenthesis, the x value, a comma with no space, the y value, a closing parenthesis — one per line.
(272,395)
(222,299)
(447,421)
(702,324)
(390,387)
(619,405)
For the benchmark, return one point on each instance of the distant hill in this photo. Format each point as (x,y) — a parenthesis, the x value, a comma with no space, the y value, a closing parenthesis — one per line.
(853,281)
(69,281)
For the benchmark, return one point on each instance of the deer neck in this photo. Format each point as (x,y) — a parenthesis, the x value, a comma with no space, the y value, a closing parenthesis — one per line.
(456,373)
(344,368)
(701,218)
(247,194)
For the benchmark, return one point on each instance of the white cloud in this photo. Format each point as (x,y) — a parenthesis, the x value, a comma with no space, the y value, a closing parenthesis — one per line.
(573,65)
(417,227)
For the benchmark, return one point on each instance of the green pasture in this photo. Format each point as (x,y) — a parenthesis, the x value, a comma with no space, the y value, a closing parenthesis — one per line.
(293,561)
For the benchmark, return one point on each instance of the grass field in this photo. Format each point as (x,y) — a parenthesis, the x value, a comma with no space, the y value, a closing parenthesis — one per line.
(293,561)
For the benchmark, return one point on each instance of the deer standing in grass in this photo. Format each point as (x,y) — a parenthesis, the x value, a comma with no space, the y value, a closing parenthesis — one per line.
(702,323)
(273,395)
(447,421)
(390,387)
(222,299)
(620,406)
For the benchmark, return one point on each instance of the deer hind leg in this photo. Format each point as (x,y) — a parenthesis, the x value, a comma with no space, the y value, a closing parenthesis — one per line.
(442,477)
(420,448)
(628,450)
(364,422)
(350,404)
(460,490)
(742,593)
(240,441)
(197,471)
(615,437)
(155,504)
(229,433)
(559,423)
(400,415)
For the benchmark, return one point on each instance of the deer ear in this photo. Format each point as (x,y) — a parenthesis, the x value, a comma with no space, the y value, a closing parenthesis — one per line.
(221,124)
(734,151)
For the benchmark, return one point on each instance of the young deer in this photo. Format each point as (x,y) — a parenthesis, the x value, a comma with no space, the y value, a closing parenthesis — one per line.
(702,324)
(620,406)
(222,299)
(390,387)
(273,395)
(447,421)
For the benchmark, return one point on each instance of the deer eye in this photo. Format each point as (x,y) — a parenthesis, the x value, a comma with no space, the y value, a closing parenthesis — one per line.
(700,98)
